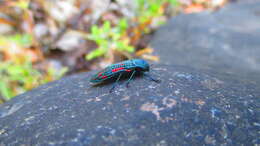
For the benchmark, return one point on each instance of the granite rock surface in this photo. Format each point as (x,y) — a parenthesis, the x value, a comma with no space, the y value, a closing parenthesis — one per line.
(187,107)
(225,41)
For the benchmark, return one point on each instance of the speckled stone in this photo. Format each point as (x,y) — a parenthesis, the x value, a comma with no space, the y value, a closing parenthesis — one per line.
(187,108)
(224,41)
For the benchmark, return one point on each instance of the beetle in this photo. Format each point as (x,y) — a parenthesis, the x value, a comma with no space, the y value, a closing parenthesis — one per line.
(132,67)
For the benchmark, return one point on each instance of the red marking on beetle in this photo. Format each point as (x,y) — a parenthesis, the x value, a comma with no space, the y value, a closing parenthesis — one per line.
(100,74)
(104,77)
(128,70)
(117,69)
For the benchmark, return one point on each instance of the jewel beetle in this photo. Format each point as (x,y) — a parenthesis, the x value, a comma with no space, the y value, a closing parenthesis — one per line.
(129,67)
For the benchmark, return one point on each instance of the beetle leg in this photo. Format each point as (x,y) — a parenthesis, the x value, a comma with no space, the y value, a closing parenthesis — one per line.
(151,78)
(127,83)
(114,85)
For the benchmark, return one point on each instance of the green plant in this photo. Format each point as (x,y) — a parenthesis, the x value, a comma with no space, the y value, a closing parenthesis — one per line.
(17,73)
(17,77)
(147,11)
(22,40)
(109,38)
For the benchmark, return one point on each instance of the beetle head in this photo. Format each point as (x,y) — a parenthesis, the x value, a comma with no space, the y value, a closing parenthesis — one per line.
(142,64)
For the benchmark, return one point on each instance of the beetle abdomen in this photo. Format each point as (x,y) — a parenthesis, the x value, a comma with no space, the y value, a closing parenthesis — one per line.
(112,70)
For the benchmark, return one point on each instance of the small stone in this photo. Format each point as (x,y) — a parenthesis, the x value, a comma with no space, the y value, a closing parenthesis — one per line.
(71,40)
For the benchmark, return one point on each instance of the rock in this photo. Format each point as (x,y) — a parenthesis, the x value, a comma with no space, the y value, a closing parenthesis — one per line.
(61,10)
(71,40)
(223,41)
(98,8)
(187,108)
(127,8)
(5,24)
(40,30)
(5,29)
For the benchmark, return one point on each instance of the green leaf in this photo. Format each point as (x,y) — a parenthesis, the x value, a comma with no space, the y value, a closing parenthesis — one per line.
(174,2)
(15,70)
(19,39)
(123,46)
(4,90)
(95,30)
(130,49)
(23,4)
(106,27)
(96,53)
(116,36)
(154,9)
(123,25)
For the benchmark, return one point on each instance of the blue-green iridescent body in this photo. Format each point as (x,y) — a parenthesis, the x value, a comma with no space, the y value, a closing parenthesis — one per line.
(118,69)
(121,67)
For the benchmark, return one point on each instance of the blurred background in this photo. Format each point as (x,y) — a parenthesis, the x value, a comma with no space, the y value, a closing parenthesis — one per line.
(44,40)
